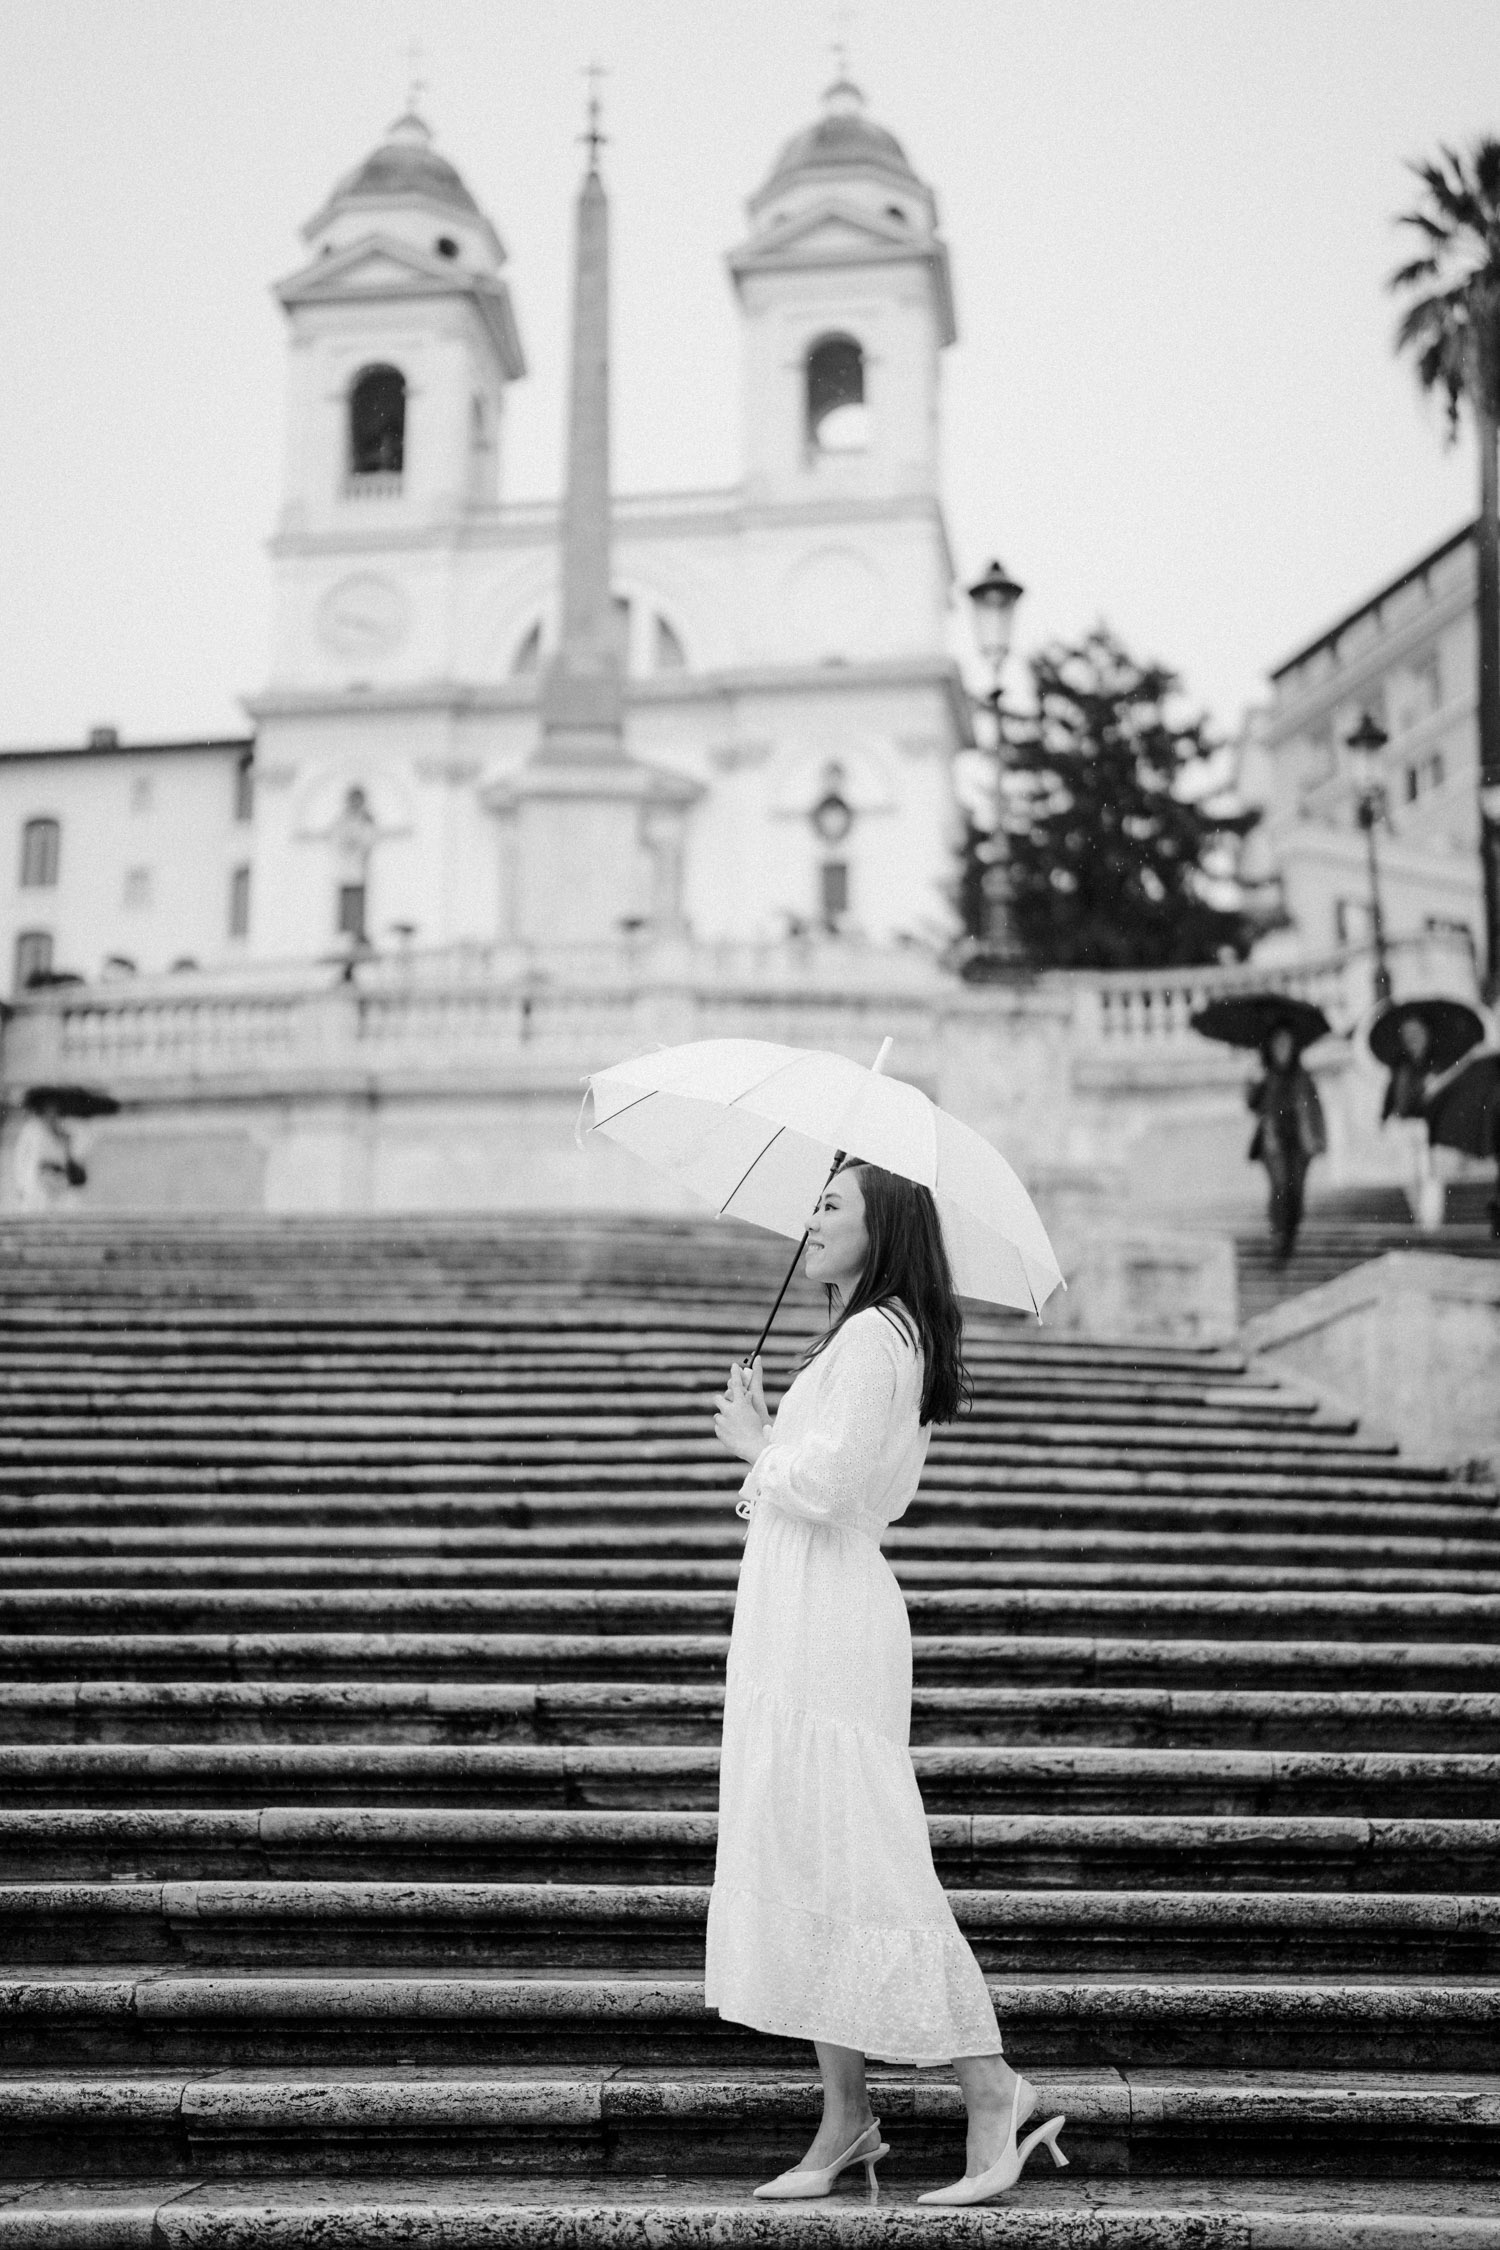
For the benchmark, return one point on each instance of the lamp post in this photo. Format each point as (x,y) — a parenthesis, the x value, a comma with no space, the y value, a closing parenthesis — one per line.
(994,597)
(1365,744)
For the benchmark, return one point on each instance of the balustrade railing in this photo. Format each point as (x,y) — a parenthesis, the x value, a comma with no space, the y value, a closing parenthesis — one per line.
(474,1009)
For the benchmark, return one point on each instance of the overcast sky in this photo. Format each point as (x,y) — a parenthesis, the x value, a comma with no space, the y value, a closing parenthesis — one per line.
(1173,402)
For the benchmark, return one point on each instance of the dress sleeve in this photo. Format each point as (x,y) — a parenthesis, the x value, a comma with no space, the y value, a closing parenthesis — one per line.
(823,1474)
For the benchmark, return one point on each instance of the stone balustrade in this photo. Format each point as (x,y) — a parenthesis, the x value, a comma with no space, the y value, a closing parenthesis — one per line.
(495,1007)
(452,1079)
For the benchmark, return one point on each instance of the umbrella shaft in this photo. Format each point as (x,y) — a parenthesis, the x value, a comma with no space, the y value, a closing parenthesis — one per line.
(791,1269)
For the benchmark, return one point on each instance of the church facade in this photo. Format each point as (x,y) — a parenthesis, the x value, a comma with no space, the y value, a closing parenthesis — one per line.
(784,674)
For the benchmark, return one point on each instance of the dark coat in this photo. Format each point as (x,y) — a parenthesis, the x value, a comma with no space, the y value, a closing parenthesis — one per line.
(1282,1093)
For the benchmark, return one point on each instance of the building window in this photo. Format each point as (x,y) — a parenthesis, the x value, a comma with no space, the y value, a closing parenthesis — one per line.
(837,418)
(377,423)
(142,793)
(239,902)
(41,845)
(1428,679)
(244,786)
(528,655)
(33,958)
(833,891)
(351,912)
(136,896)
(1436,771)
(1413,782)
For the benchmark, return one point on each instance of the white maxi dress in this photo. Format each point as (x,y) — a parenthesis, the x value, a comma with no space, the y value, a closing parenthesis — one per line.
(827,1920)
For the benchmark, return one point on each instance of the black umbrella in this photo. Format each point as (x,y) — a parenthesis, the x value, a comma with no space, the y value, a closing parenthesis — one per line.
(1462,1108)
(70,1101)
(1453,1027)
(1247,1019)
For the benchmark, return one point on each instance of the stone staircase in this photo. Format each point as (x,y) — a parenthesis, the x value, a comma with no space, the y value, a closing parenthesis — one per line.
(1348,1226)
(364,1592)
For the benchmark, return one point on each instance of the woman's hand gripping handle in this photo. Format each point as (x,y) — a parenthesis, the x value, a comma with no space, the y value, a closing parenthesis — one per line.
(741,1423)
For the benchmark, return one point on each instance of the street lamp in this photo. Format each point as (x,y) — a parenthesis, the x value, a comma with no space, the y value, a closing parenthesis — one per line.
(995,597)
(1365,744)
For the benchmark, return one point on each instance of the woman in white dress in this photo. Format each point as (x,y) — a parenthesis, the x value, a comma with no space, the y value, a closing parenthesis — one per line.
(827,1921)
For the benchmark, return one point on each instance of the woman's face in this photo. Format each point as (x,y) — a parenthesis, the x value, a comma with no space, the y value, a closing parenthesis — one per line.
(1283,1049)
(1414,1038)
(836,1240)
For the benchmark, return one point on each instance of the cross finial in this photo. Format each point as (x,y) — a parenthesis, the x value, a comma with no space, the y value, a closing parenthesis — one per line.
(594,136)
(416,84)
(843,17)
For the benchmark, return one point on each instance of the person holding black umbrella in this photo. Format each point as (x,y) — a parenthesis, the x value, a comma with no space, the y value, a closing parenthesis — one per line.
(1289,1132)
(1417,1040)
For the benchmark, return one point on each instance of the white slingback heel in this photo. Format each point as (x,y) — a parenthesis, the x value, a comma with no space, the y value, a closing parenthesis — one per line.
(1003,2175)
(792,2187)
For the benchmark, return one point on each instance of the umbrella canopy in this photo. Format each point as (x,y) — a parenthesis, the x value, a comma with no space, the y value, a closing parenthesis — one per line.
(754,1128)
(71,1101)
(1247,1019)
(1453,1027)
(1463,1106)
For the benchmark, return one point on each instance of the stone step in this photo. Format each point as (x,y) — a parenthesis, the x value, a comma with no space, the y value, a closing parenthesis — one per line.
(647,1712)
(978,1660)
(626,2122)
(93,1522)
(1154,1612)
(47,1404)
(361,1843)
(65,2018)
(482,1580)
(606,1928)
(708,1556)
(1369,1784)
(444,2211)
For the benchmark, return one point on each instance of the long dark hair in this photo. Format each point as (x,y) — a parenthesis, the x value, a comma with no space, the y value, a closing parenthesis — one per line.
(907,1277)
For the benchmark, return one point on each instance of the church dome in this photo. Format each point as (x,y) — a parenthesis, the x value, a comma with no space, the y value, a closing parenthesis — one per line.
(843,139)
(405,164)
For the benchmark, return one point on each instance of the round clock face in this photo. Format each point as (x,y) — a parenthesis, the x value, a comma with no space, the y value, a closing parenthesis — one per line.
(362,616)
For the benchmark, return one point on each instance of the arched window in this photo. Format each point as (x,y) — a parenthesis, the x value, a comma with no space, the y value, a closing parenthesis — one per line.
(33,962)
(377,423)
(837,418)
(41,845)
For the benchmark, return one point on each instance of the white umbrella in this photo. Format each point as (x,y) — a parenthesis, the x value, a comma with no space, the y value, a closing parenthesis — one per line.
(755,1129)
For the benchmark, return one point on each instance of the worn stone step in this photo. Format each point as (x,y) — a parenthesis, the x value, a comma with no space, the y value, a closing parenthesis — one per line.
(626,2122)
(608,1927)
(604,1406)
(63,2018)
(281,1842)
(711,1531)
(532,1560)
(1370,1784)
(978,1660)
(1157,1613)
(539,2212)
(641,1712)
(62,1521)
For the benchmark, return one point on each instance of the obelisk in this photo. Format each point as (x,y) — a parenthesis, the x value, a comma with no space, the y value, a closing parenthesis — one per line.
(592,849)
(582,696)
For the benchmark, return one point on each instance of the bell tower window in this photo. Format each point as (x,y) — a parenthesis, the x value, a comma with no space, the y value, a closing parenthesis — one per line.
(838,420)
(377,429)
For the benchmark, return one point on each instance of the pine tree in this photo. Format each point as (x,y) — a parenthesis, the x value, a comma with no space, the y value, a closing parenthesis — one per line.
(1112,825)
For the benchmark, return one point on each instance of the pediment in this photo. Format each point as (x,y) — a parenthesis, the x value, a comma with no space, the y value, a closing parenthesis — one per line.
(378,265)
(837,227)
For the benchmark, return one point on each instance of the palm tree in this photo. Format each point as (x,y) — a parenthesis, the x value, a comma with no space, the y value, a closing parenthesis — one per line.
(1451,326)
